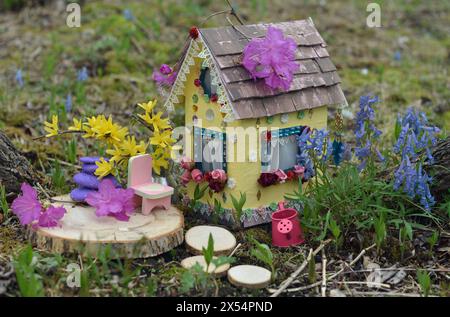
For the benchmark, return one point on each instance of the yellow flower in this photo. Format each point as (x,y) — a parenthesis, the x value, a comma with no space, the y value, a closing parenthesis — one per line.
(105,130)
(160,159)
(116,154)
(52,128)
(146,117)
(160,124)
(104,168)
(156,121)
(162,139)
(88,127)
(77,125)
(131,148)
(148,107)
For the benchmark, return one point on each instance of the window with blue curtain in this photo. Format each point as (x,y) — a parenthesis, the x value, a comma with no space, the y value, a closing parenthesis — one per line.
(279,149)
(209,150)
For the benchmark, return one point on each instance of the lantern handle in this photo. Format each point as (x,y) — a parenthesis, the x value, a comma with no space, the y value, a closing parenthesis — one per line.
(280,205)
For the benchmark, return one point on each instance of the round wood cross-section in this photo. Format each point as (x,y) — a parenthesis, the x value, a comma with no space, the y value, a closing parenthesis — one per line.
(249,276)
(200,259)
(197,239)
(81,231)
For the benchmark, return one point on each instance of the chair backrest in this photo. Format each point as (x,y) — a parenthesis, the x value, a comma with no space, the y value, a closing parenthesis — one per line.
(139,170)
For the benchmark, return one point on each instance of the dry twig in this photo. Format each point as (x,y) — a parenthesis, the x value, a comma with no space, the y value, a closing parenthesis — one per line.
(302,288)
(292,277)
(324,274)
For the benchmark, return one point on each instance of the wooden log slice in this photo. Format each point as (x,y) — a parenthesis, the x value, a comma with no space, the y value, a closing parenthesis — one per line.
(83,232)
(197,238)
(200,259)
(249,276)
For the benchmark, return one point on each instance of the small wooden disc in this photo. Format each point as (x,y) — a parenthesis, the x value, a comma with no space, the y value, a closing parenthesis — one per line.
(249,276)
(82,231)
(197,238)
(200,259)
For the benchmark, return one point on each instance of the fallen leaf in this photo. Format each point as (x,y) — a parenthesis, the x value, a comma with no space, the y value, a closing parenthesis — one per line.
(398,277)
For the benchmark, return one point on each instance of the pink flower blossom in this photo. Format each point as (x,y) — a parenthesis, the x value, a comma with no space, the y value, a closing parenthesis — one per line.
(30,211)
(186,177)
(165,76)
(219,175)
(51,217)
(187,163)
(281,175)
(27,206)
(272,58)
(165,69)
(197,175)
(299,170)
(111,201)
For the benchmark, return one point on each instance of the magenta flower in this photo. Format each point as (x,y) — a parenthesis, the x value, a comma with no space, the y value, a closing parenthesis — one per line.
(165,76)
(30,211)
(27,206)
(272,58)
(111,201)
(50,218)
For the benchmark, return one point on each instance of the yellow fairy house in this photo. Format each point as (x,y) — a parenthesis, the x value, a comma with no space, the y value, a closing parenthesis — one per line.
(244,117)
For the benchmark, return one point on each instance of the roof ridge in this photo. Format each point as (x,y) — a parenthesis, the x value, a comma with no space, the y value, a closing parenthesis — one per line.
(309,20)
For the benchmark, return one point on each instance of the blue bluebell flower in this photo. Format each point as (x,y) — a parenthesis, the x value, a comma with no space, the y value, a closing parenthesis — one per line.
(68,103)
(416,135)
(19,78)
(82,74)
(318,139)
(414,181)
(401,138)
(365,131)
(303,158)
(128,15)
(397,56)
(363,152)
(379,155)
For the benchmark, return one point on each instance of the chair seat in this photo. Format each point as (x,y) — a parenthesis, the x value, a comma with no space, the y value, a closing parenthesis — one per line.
(152,190)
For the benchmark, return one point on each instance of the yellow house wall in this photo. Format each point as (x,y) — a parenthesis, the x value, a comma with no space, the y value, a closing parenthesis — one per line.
(245,173)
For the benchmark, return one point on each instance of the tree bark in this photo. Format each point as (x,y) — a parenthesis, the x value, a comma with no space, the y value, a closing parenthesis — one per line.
(14,167)
(440,169)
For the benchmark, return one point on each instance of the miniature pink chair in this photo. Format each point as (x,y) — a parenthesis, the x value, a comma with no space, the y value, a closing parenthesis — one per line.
(140,180)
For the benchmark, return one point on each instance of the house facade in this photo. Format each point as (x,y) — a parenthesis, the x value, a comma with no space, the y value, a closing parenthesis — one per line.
(237,121)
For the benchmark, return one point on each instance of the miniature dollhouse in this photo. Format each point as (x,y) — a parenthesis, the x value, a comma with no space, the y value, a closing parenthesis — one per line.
(218,93)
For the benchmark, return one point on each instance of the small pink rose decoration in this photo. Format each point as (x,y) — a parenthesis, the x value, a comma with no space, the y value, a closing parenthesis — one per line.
(187,163)
(197,175)
(281,175)
(219,175)
(299,170)
(186,177)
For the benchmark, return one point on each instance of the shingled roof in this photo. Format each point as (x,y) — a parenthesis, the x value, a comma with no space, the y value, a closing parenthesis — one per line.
(316,82)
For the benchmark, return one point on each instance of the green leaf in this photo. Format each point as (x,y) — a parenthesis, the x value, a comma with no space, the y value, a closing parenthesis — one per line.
(263,253)
(187,281)
(222,260)
(424,281)
(29,282)
(208,253)
(408,230)
(397,130)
